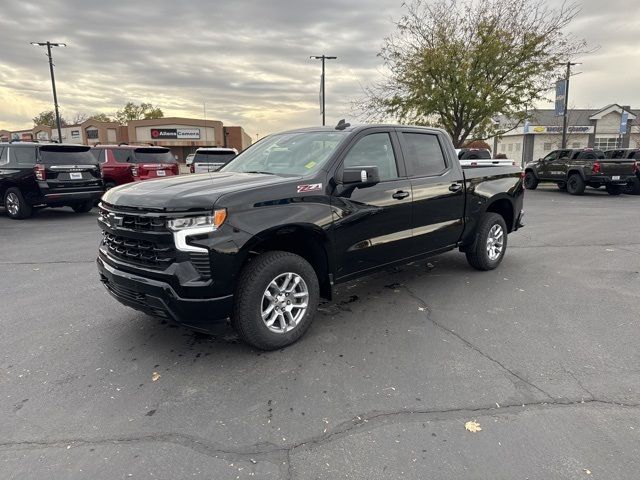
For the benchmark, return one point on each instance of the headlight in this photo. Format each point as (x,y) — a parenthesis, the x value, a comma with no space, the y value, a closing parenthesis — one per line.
(208,221)
(188,226)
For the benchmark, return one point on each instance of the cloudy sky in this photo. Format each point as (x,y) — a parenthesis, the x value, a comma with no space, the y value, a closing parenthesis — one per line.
(248,60)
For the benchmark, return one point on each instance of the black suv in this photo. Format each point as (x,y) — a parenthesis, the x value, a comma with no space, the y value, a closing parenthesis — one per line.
(34,175)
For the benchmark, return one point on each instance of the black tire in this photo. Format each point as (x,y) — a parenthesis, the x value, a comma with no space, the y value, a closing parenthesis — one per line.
(108,185)
(575,184)
(249,299)
(562,186)
(15,204)
(614,189)
(530,180)
(83,207)
(478,257)
(632,188)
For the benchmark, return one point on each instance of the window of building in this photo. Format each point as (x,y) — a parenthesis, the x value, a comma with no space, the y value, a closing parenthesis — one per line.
(518,146)
(510,147)
(576,145)
(374,150)
(92,133)
(424,155)
(548,146)
(606,143)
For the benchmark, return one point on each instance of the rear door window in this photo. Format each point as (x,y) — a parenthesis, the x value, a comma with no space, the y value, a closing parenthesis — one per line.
(98,154)
(423,154)
(122,155)
(4,157)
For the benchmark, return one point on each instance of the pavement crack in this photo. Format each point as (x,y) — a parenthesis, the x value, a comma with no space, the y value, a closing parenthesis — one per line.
(473,346)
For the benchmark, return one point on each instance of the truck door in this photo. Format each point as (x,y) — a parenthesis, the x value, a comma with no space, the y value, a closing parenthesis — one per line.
(557,168)
(372,225)
(438,192)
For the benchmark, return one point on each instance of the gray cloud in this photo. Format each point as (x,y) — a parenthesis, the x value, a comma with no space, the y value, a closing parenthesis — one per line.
(247,60)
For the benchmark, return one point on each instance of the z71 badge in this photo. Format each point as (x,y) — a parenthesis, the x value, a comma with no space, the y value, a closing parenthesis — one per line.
(313,187)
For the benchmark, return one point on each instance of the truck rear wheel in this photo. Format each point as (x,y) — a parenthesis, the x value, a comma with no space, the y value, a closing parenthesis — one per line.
(530,181)
(633,188)
(83,207)
(491,243)
(276,300)
(16,205)
(575,184)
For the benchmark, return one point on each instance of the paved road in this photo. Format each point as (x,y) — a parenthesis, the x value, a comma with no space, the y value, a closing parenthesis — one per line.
(542,353)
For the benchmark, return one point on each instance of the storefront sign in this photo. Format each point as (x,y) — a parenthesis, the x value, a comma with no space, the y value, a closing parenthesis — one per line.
(75,133)
(558,129)
(175,133)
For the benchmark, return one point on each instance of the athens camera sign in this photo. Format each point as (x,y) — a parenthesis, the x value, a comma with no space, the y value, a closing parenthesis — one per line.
(175,133)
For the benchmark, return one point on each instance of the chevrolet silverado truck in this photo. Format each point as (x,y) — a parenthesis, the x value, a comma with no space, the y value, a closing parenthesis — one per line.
(628,153)
(574,170)
(261,240)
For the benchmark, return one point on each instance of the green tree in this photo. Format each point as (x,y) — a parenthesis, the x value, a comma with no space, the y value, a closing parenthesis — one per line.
(459,63)
(48,118)
(101,117)
(131,111)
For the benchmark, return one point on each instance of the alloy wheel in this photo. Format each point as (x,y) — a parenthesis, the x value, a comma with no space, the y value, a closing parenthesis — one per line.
(284,302)
(495,242)
(12,203)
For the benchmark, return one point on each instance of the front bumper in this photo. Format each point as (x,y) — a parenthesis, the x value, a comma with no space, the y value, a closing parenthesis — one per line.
(70,198)
(159,299)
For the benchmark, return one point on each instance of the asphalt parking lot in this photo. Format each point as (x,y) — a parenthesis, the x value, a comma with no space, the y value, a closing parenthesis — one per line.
(542,353)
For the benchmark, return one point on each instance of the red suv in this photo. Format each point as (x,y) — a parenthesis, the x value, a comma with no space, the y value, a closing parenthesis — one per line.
(130,163)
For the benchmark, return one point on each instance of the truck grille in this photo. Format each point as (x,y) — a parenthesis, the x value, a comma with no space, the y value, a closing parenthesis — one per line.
(141,252)
(142,223)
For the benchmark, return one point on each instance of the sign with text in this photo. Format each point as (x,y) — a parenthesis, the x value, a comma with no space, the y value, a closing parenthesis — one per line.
(575,129)
(175,133)
(561,93)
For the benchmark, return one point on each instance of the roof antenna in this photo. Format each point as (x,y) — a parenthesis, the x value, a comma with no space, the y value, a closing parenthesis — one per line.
(342,125)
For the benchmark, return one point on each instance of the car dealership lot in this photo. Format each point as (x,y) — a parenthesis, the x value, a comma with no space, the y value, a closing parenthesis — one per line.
(542,352)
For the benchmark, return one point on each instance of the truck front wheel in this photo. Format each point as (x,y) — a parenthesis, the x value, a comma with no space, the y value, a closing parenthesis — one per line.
(276,300)
(491,243)
(530,181)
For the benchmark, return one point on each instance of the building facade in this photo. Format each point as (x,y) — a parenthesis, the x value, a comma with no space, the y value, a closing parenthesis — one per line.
(182,135)
(602,129)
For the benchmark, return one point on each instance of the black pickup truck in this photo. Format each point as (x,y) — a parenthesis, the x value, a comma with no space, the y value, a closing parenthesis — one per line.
(574,170)
(275,229)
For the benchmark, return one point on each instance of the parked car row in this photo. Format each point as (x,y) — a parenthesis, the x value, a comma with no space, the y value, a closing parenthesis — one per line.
(575,169)
(38,175)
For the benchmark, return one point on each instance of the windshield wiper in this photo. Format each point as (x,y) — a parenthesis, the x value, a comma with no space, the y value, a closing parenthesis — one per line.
(258,171)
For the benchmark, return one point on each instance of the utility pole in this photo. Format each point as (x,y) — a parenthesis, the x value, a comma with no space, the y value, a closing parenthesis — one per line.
(566,104)
(53,81)
(322,57)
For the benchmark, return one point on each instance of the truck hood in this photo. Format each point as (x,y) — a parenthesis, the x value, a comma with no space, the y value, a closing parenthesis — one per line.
(188,192)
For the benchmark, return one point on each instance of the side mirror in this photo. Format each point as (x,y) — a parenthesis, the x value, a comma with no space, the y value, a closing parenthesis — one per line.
(358,176)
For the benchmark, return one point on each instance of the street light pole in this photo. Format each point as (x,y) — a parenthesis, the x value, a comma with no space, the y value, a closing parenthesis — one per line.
(323,58)
(566,105)
(53,81)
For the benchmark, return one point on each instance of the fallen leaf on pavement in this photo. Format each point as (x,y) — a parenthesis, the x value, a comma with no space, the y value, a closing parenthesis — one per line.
(155,376)
(472,426)
(587,471)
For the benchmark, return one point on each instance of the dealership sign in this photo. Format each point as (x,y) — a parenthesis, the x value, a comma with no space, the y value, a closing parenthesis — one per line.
(175,133)
(558,129)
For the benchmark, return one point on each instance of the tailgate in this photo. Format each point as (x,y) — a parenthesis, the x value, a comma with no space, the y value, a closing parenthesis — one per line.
(617,167)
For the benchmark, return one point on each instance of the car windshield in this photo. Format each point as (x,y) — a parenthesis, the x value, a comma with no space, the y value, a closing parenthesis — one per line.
(153,155)
(287,153)
(65,155)
(213,156)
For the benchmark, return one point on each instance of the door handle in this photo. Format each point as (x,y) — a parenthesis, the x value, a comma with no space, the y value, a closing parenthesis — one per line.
(400,194)
(455,187)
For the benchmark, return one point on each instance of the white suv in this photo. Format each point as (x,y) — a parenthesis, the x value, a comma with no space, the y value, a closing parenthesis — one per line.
(211,159)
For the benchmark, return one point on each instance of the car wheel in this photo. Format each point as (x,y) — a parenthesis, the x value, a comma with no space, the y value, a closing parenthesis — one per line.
(562,185)
(15,204)
(83,207)
(108,185)
(632,188)
(575,184)
(614,189)
(276,300)
(530,181)
(491,243)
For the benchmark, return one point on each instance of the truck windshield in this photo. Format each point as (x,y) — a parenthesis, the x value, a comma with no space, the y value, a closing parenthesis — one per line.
(287,153)
(152,155)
